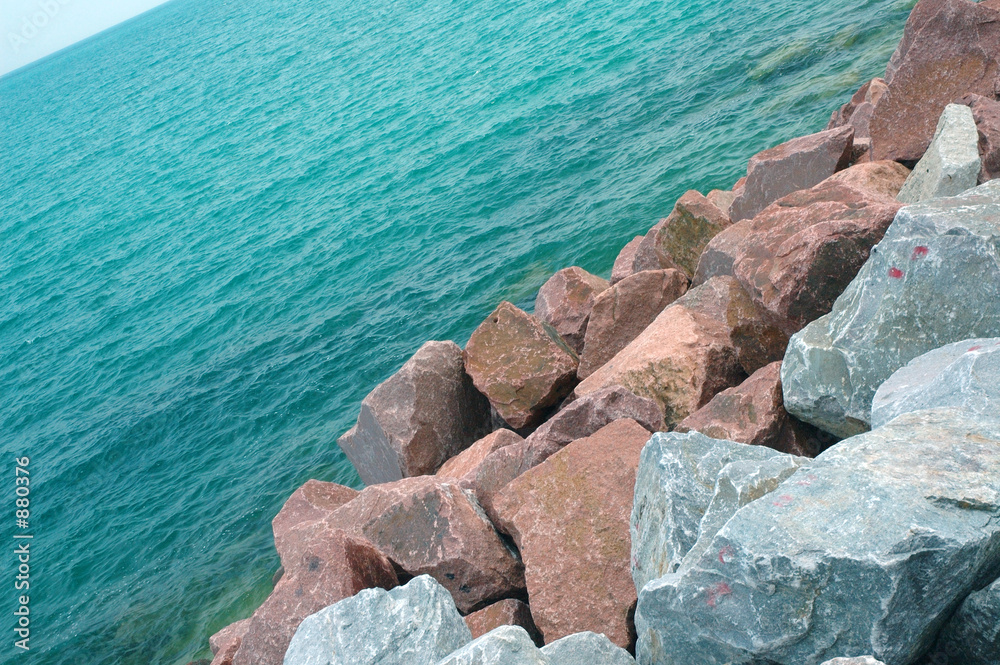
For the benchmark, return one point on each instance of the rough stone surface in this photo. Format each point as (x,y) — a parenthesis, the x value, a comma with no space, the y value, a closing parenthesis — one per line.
(687,486)
(497,470)
(719,256)
(721,199)
(754,413)
(225,643)
(858,114)
(683,236)
(868,550)
(507,612)
(465,465)
(965,374)
(949,48)
(986,113)
(569,517)
(586,648)
(565,300)
(522,365)
(622,312)
(951,164)
(625,262)
(428,525)
(911,297)
(881,179)
(797,164)
(694,349)
(416,419)
(506,645)
(859,660)
(801,252)
(972,635)
(329,569)
(314,500)
(415,623)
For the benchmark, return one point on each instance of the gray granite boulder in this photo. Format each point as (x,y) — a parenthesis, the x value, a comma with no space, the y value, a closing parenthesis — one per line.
(586,649)
(686,487)
(965,374)
(857,660)
(951,164)
(415,623)
(972,635)
(869,550)
(934,279)
(416,419)
(506,645)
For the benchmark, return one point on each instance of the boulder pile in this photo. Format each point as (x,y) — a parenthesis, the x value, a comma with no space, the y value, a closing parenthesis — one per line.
(772,436)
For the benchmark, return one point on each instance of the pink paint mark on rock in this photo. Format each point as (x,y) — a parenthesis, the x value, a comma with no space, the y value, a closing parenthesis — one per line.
(807,481)
(726,554)
(717,591)
(784,501)
(895,273)
(919,252)
(973,348)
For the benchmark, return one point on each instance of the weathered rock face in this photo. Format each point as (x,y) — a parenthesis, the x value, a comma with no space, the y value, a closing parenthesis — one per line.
(225,643)
(329,569)
(415,623)
(972,635)
(465,465)
(803,251)
(590,413)
(858,114)
(625,262)
(949,48)
(721,199)
(507,645)
(507,612)
(497,470)
(909,298)
(622,312)
(754,413)
(564,302)
(965,374)
(880,179)
(416,419)
(314,500)
(687,486)
(797,164)
(585,648)
(859,660)
(720,254)
(797,577)
(427,525)
(951,164)
(683,236)
(986,113)
(569,517)
(522,365)
(691,351)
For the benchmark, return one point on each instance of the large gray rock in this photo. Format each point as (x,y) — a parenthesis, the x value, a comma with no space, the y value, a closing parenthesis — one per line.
(951,164)
(416,419)
(934,279)
(965,374)
(972,635)
(868,551)
(415,623)
(858,660)
(586,648)
(686,487)
(506,645)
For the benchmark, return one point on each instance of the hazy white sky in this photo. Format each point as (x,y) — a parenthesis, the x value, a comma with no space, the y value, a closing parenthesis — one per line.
(32,29)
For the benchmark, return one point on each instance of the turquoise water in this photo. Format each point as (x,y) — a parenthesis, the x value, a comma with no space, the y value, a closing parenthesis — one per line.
(223,223)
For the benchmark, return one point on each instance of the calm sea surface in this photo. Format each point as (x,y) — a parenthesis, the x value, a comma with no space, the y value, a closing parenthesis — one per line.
(222,223)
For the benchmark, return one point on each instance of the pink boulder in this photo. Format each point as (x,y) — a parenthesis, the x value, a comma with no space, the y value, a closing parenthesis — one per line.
(683,235)
(314,500)
(754,413)
(225,643)
(570,518)
(465,465)
(565,300)
(625,263)
(791,166)
(522,365)
(507,612)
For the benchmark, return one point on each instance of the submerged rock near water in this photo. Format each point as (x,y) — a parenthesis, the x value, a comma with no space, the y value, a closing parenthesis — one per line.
(416,419)
(951,164)
(521,364)
(911,297)
(867,550)
(415,623)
